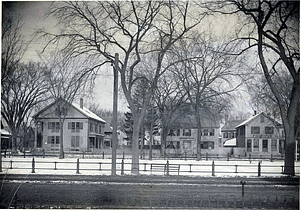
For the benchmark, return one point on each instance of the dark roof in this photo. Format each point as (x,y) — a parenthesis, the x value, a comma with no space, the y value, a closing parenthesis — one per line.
(189,121)
(231,125)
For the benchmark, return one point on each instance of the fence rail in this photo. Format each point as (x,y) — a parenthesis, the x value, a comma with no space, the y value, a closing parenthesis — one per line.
(107,154)
(166,168)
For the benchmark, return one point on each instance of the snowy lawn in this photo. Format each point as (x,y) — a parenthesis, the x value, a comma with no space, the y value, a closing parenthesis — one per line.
(218,168)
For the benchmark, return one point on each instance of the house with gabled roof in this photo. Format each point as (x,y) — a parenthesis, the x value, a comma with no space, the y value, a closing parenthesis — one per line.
(83,130)
(182,137)
(260,135)
(228,132)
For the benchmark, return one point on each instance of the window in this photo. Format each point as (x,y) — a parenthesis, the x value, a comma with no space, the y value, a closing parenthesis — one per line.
(205,132)
(54,126)
(171,132)
(225,135)
(178,132)
(187,132)
(96,128)
(255,144)
(75,126)
(273,145)
(212,132)
(210,145)
(75,141)
(178,145)
(255,130)
(170,145)
(207,145)
(92,127)
(249,145)
(265,145)
(281,146)
(53,141)
(269,130)
(204,145)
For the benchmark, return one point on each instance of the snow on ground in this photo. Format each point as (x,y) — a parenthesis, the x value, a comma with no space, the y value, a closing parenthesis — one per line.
(68,166)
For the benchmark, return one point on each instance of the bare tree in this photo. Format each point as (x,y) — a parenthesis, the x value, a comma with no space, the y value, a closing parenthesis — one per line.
(168,99)
(65,81)
(273,29)
(207,75)
(132,29)
(20,93)
(22,85)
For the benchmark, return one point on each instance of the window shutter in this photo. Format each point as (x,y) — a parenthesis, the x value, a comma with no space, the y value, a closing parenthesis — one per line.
(81,125)
(69,125)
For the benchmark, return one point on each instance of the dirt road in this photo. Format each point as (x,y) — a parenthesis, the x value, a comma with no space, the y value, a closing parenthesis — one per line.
(147,191)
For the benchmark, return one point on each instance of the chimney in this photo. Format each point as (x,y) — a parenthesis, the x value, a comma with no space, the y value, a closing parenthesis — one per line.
(81,103)
(254,112)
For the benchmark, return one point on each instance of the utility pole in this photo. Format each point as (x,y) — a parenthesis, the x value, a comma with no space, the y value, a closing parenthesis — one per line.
(115,117)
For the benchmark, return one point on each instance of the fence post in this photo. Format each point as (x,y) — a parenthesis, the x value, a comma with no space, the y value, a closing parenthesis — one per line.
(243,183)
(103,155)
(77,171)
(43,153)
(206,156)
(55,165)
(250,158)
(227,156)
(259,169)
(123,155)
(184,155)
(24,153)
(11,162)
(213,168)
(82,154)
(122,167)
(33,166)
(271,157)
(167,167)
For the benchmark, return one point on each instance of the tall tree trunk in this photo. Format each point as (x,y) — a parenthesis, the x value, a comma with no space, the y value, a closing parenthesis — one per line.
(61,141)
(135,146)
(199,128)
(289,161)
(151,136)
(163,138)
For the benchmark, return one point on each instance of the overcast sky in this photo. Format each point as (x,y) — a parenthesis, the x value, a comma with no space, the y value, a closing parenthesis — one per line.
(33,16)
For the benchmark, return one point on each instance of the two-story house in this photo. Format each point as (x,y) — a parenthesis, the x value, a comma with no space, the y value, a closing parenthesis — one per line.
(182,138)
(82,129)
(260,135)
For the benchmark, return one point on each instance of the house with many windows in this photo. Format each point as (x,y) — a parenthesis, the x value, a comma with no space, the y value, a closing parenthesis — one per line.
(82,129)
(260,135)
(182,138)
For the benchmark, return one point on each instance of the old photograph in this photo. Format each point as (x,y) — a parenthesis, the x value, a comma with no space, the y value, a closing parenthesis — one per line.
(150,104)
